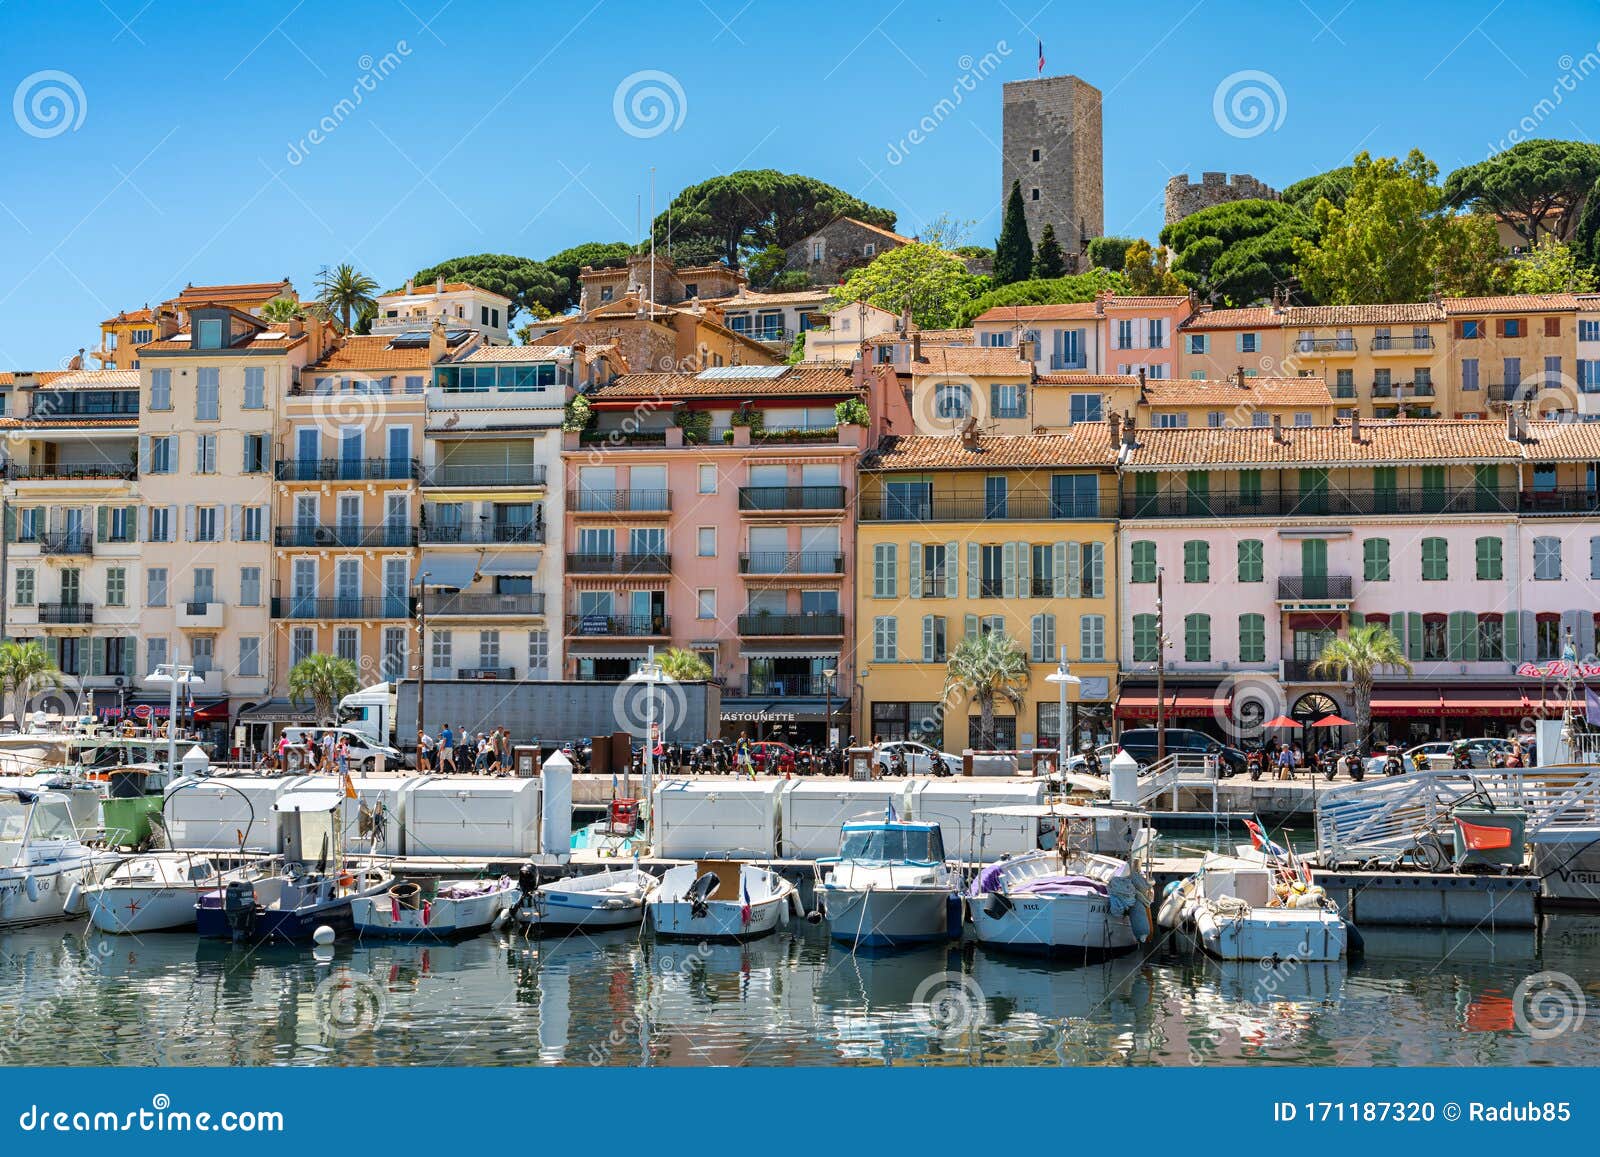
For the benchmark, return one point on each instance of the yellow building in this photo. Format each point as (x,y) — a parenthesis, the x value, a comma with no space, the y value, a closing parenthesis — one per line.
(1219,343)
(1235,401)
(121,336)
(960,535)
(1381,361)
(1513,348)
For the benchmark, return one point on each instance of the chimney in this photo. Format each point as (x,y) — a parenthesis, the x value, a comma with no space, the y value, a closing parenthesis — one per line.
(438,285)
(1028,350)
(77,362)
(1116,430)
(1513,427)
(438,343)
(1277,429)
(411,286)
(905,320)
(1355,425)
(1130,438)
(969,434)
(1238,378)
(1141,380)
(916,345)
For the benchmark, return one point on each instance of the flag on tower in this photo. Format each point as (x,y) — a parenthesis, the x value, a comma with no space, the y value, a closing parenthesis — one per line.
(1041,57)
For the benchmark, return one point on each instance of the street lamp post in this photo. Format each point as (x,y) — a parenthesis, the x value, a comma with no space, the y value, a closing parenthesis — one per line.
(175,675)
(422,661)
(827,716)
(1161,666)
(1063,678)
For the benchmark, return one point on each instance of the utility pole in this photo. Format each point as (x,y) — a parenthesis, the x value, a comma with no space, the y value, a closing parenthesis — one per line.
(1161,666)
(422,661)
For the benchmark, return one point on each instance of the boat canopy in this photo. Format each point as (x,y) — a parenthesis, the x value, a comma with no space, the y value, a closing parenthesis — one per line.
(1062,811)
(311,800)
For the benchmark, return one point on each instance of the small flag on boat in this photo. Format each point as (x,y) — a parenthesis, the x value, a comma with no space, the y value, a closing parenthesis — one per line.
(1258,837)
(349,786)
(889,812)
(1041,57)
(744,899)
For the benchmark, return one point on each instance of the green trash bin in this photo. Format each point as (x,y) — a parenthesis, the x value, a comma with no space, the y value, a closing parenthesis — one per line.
(1479,842)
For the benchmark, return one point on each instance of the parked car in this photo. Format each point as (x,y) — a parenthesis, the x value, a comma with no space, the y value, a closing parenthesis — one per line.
(915,759)
(772,758)
(1140,742)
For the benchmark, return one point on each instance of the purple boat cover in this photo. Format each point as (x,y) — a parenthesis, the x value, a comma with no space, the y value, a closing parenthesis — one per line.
(988,880)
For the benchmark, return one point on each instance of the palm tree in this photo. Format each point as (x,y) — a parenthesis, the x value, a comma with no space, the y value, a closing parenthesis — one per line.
(345,290)
(1354,659)
(23,667)
(983,666)
(324,680)
(281,309)
(683,666)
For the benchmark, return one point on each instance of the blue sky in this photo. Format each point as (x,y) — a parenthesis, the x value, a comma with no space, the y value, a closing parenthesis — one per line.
(493,128)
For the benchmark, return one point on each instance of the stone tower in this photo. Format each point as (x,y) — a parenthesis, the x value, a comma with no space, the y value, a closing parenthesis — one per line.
(1184,198)
(1051,144)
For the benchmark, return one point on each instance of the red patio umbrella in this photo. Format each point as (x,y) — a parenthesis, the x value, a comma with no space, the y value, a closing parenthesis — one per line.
(1282,721)
(1333,721)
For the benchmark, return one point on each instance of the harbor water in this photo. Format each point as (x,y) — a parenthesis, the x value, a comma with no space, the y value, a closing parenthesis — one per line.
(71,996)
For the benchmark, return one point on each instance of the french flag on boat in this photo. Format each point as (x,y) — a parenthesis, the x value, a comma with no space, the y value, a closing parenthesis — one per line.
(888,813)
(744,899)
(1258,837)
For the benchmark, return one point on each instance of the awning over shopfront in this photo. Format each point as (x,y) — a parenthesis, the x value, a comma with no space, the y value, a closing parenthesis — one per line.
(511,563)
(773,711)
(1181,703)
(455,571)
(144,708)
(1403,702)
(1498,702)
(278,711)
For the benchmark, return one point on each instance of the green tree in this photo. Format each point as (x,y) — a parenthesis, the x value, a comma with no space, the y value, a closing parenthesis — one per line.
(570,262)
(1332,186)
(322,680)
(1393,239)
(24,669)
(765,266)
(1586,234)
(1048,260)
(1534,186)
(1551,266)
(746,211)
(947,231)
(345,291)
(531,285)
(1238,252)
(683,666)
(282,309)
(984,667)
(1013,250)
(1056,291)
(1355,659)
(1146,270)
(1108,252)
(933,284)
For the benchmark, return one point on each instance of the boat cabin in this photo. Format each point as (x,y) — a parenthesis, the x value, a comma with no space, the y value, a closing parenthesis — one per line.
(29,819)
(892,842)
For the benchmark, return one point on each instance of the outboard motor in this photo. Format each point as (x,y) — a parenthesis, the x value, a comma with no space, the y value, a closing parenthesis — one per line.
(700,891)
(997,905)
(239,908)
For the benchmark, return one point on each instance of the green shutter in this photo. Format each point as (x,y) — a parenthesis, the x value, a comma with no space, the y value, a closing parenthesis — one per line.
(1249,488)
(1489,562)
(1144,639)
(1375,560)
(1435,560)
(1252,638)
(1357,619)
(1142,562)
(1433,499)
(1197,638)
(100,516)
(1250,560)
(1414,635)
(1453,637)
(1508,629)
(1469,637)
(1196,561)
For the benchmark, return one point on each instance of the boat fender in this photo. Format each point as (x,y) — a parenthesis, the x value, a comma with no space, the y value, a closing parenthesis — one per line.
(1139,918)
(323,935)
(1170,914)
(31,884)
(500,919)
(997,905)
(74,900)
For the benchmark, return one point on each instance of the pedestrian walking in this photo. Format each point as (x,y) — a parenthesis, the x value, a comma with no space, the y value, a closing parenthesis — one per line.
(746,764)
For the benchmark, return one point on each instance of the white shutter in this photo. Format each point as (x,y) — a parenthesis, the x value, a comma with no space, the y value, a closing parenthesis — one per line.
(952,570)
(927,638)
(1049,649)
(1024,570)
(1036,625)
(235,521)
(144,524)
(1594,558)
(969,626)
(1058,570)
(914,570)
(1008,570)
(1074,570)
(1097,570)
(188,523)
(974,570)
(144,454)
(894,570)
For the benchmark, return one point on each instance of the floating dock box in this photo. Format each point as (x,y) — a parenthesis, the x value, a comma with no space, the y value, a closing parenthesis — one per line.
(695,819)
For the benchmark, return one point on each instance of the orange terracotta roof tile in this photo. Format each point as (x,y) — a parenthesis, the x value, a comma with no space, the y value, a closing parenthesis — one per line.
(372,352)
(91,380)
(132,317)
(1257,391)
(1397,441)
(1562,442)
(971,361)
(796,381)
(1065,311)
(1512,303)
(930,337)
(804,298)
(249,292)
(1163,301)
(1077,379)
(515,353)
(1084,444)
(1394,313)
(1252,317)
(879,230)
(429,288)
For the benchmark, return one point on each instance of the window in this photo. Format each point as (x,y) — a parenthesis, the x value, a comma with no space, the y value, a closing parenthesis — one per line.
(393,652)
(155,586)
(952,400)
(1158,333)
(1124,335)
(1252,638)
(255,388)
(160,524)
(1435,560)
(252,524)
(884,645)
(1594,558)
(1375,560)
(1033,194)
(25,587)
(206,391)
(1491,638)
(347,643)
(884,579)
(706,603)
(250,586)
(1547,636)
(1250,560)
(161,389)
(1512,327)
(250,656)
(488,648)
(206,524)
(1196,561)
(1083,408)
(1588,330)
(1215,419)
(164,454)
(1142,562)
(1005,401)
(1146,644)
(708,480)
(116,586)
(255,454)
(1042,635)
(1547,559)
(1435,637)
(1197,343)
(539,654)
(1488,559)
(1249,343)
(155,651)
(205,448)
(1092,638)
(706,542)
(1172,421)
(1197,638)
(933,639)
(302,643)
(440,657)
(1035,154)
(1469,330)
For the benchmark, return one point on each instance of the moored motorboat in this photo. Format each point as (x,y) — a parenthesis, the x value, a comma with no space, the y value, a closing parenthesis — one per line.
(454,911)
(44,865)
(158,891)
(610,899)
(1251,909)
(889,885)
(720,900)
(1061,902)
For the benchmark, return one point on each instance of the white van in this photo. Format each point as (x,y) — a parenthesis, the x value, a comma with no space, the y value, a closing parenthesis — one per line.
(364,751)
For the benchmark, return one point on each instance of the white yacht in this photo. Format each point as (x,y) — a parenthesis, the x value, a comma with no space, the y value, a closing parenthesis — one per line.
(889,885)
(44,865)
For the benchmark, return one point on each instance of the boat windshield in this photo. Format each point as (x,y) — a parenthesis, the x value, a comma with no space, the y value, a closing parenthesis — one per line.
(52,820)
(886,845)
(13,825)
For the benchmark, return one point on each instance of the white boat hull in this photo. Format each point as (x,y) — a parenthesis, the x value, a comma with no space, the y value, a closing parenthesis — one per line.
(1068,925)
(157,908)
(723,920)
(37,893)
(887,918)
(591,903)
(1309,934)
(440,919)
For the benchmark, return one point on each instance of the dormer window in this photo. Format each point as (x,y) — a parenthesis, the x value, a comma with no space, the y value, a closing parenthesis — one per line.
(208,333)
(605,293)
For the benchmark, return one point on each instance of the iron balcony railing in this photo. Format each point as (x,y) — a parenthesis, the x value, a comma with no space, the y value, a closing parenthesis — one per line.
(783,562)
(1559,500)
(1334,501)
(66,542)
(345,535)
(342,607)
(101,471)
(1419,341)
(892,509)
(811,626)
(619,501)
(1306,345)
(619,563)
(66,612)
(483,603)
(346,469)
(483,534)
(788,686)
(934,585)
(791,498)
(1312,586)
(499,474)
(48,407)
(635,626)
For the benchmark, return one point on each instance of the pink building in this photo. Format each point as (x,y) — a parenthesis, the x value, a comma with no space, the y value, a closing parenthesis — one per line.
(1110,335)
(715,512)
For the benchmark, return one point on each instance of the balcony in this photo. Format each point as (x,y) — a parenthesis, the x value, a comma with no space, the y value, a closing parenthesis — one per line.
(890,509)
(1329,587)
(347,536)
(346,470)
(1401,343)
(66,542)
(68,407)
(485,533)
(1299,671)
(66,613)
(934,586)
(102,472)
(1562,500)
(487,673)
(619,626)
(619,564)
(200,615)
(481,604)
(341,607)
(787,686)
(619,501)
(791,562)
(807,626)
(768,499)
(767,333)
(500,474)
(1333,502)
(1325,345)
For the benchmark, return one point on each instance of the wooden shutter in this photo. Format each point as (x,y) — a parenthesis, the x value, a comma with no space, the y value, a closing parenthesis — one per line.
(1097,570)
(1058,570)
(1414,634)
(969,626)
(952,570)
(1008,570)
(1074,573)
(974,569)
(914,570)
(1024,570)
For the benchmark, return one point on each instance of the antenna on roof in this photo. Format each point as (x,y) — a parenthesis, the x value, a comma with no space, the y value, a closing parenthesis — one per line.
(652,238)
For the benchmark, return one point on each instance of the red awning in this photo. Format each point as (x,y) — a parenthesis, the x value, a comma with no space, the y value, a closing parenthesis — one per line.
(1191,704)
(1137,705)
(1181,703)
(1495,701)
(1399,702)
(1308,621)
